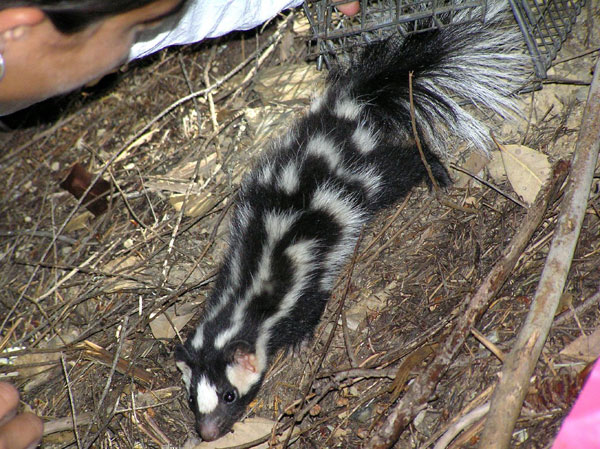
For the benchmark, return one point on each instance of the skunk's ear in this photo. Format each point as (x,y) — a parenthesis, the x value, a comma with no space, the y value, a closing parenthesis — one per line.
(245,358)
(236,349)
(243,370)
(183,362)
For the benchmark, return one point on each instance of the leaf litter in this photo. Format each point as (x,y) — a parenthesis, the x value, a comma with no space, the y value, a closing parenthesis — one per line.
(111,295)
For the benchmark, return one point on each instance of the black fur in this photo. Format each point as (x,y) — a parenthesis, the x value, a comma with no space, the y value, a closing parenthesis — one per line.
(276,278)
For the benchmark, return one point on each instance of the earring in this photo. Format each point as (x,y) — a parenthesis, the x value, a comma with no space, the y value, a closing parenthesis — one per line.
(2,64)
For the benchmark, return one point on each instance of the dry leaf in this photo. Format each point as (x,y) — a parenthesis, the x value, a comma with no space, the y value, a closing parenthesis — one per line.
(410,363)
(79,222)
(78,180)
(373,302)
(301,25)
(474,163)
(162,328)
(315,411)
(124,265)
(195,205)
(496,169)
(527,170)
(145,138)
(206,166)
(295,82)
(243,432)
(40,370)
(99,354)
(153,398)
(586,347)
(565,303)
(267,121)
(178,179)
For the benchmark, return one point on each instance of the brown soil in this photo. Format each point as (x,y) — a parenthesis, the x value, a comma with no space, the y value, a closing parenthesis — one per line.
(68,279)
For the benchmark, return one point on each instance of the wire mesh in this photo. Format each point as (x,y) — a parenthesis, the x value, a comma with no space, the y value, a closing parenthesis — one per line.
(545,23)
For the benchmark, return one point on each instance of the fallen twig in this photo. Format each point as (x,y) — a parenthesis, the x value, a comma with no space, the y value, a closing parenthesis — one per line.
(592,301)
(100,407)
(508,397)
(209,94)
(462,424)
(151,399)
(71,401)
(489,345)
(481,399)
(489,185)
(420,390)
(125,367)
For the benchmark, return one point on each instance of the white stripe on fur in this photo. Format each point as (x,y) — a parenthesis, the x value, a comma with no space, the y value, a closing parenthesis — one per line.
(207,398)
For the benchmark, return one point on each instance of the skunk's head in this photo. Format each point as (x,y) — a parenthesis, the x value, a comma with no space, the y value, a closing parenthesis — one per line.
(220,384)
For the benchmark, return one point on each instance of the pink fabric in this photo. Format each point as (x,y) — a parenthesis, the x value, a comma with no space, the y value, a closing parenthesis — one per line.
(581,428)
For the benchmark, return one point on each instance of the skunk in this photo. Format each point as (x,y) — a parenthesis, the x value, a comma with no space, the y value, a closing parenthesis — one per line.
(299,213)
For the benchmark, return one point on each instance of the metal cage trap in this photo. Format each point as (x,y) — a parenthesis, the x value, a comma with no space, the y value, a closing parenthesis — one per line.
(545,24)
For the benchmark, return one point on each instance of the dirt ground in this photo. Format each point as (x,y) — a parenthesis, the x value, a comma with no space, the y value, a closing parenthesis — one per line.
(82,296)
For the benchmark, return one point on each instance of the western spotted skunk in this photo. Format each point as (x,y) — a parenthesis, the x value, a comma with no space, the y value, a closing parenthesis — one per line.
(300,211)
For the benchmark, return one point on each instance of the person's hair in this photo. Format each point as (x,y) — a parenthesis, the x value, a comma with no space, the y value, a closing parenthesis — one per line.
(71,16)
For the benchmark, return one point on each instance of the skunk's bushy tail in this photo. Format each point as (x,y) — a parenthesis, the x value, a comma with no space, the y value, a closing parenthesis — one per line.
(481,63)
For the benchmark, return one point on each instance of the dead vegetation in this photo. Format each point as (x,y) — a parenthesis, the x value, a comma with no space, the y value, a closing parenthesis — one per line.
(82,297)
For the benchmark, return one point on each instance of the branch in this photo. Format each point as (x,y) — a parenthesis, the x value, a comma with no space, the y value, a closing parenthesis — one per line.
(421,389)
(508,396)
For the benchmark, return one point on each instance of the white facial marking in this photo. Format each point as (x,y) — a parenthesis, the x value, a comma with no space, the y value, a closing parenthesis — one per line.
(241,379)
(206,396)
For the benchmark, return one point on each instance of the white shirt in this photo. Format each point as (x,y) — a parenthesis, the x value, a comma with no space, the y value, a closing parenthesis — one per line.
(208,18)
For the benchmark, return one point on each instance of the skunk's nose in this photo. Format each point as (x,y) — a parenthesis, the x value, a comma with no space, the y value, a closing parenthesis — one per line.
(209,430)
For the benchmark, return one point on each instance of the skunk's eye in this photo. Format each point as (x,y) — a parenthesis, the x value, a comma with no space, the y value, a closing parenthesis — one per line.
(191,402)
(229,396)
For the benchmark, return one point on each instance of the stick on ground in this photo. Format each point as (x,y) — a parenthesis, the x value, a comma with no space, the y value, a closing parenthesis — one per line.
(508,397)
(421,389)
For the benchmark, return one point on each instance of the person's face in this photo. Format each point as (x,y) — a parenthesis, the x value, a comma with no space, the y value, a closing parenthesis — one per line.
(42,62)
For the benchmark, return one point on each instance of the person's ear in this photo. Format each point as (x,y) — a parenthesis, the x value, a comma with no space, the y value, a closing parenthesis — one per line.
(12,20)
